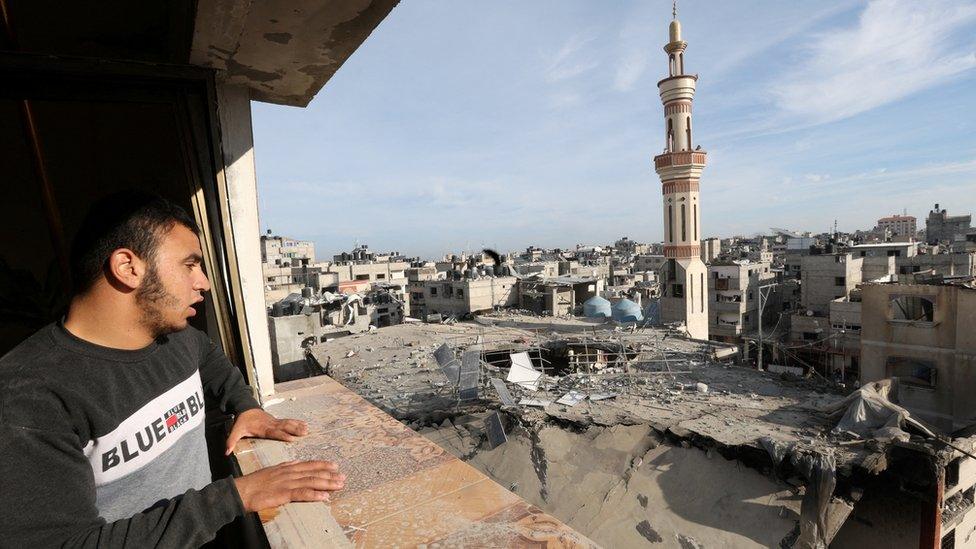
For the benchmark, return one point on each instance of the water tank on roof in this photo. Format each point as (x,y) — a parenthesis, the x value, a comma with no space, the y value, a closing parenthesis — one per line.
(626,310)
(596,307)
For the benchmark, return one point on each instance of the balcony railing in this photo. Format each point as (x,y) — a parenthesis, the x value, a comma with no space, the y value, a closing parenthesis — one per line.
(681,158)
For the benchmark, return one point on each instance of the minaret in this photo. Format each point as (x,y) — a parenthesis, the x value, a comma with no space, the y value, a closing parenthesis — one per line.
(685,293)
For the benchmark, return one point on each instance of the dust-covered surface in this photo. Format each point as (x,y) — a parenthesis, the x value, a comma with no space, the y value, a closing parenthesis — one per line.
(633,436)
(675,387)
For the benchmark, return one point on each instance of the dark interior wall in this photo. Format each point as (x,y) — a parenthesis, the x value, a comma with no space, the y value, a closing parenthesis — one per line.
(89,149)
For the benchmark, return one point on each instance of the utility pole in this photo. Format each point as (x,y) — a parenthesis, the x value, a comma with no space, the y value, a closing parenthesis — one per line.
(763,298)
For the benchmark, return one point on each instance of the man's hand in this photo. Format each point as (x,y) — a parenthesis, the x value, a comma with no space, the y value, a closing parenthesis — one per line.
(288,482)
(258,423)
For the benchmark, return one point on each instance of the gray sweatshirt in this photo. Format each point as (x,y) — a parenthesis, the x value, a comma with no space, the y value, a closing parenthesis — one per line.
(105,447)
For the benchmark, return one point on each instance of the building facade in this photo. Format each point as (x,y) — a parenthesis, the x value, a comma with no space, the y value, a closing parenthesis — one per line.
(923,335)
(733,296)
(684,296)
(898,225)
(942,227)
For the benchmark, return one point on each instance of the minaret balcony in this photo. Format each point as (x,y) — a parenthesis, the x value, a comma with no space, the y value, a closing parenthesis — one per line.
(680,158)
(681,86)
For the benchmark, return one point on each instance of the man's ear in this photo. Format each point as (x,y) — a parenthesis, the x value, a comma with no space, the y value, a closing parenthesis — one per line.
(126,268)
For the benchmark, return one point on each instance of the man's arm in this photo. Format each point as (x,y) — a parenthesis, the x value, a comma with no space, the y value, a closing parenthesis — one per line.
(48,492)
(49,498)
(222,381)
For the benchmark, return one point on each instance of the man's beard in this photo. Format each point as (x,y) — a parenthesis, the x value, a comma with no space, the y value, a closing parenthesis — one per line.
(153,300)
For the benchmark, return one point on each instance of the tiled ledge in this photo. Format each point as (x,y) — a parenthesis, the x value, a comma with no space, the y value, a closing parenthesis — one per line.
(402,490)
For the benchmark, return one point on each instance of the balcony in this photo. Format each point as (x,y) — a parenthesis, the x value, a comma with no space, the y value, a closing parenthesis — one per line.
(729,306)
(681,158)
(403,490)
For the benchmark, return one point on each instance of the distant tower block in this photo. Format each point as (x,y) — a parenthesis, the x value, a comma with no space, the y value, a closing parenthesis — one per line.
(685,295)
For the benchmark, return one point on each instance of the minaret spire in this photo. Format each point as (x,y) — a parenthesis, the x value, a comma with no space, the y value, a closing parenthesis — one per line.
(685,295)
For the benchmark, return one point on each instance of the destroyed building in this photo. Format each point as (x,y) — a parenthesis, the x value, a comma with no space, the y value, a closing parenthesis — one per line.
(288,266)
(942,227)
(301,320)
(922,333)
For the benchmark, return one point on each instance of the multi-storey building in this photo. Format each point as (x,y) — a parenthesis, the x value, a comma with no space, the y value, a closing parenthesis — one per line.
(733,298)
(898,225)
(942,227)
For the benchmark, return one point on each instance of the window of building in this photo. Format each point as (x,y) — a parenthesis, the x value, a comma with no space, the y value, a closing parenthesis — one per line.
(948,541)
(912,371)
(810,336)
(460,294)
(864,254)
(684,234)
(433,291)
(270,279)
(912,308)
(701,287)
(671,223)
(362,277)
(694,220)
(380,276)
(894,253)
(688,131)
(840,280)
(678,290)
(952,473)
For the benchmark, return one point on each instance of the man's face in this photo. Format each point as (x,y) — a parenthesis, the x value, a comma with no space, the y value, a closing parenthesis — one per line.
(173,283)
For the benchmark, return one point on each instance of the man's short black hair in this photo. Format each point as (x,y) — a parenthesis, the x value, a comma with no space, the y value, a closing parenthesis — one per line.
(128,219)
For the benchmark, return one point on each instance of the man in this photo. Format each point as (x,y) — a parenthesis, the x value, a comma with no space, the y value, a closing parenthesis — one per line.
(102,415)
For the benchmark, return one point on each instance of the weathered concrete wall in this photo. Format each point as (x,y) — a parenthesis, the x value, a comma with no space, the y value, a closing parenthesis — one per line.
(874,268)
(819,274)
(947,343)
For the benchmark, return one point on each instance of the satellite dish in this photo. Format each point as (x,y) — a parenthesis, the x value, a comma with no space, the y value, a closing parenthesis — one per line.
(809,313)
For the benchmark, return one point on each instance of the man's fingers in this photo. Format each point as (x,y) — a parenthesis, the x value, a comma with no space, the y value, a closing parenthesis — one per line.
(293,426)
(315,465)
(236,435)
(281,434)
(308,494)
(317,483)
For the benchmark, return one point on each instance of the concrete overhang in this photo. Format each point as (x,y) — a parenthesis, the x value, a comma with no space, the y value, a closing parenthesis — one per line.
(282,51)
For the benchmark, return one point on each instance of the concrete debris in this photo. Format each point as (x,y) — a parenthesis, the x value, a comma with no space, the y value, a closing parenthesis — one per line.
(640,415)
(535,402)
(503,394)
(522,373)
(571,398)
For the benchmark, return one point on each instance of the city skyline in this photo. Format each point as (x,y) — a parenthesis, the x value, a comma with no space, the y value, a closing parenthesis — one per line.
(546,137)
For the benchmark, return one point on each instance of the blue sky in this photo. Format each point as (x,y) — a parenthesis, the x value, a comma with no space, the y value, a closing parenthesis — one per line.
(459,124)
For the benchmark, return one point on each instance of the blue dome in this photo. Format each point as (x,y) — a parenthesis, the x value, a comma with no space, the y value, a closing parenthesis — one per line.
(596,307)
(626,310)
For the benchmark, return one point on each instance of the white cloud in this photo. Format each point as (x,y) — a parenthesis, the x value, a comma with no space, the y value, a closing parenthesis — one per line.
(629,70)
(897,48)
(571,60)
